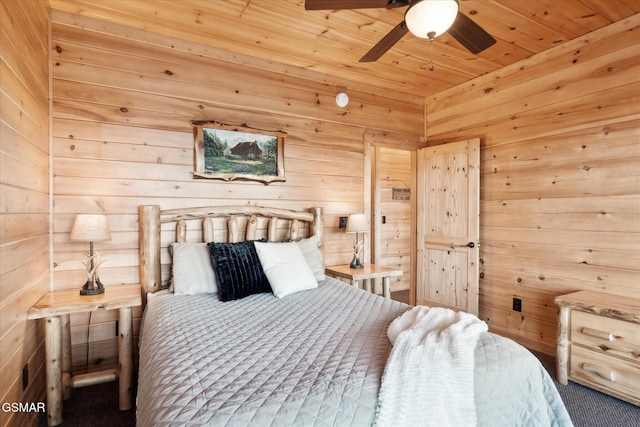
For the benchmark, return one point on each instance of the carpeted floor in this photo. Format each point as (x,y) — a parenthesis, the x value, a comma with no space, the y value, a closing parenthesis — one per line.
(95,406)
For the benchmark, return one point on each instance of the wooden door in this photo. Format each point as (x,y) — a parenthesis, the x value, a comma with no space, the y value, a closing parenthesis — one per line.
(448,225)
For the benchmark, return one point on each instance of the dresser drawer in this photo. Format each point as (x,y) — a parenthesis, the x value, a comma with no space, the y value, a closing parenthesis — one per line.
(611,336)
(605,373)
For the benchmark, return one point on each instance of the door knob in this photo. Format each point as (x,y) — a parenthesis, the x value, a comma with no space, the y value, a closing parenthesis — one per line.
(453,245)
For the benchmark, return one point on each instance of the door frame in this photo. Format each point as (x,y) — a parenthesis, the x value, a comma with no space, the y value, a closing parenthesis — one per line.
(372,198)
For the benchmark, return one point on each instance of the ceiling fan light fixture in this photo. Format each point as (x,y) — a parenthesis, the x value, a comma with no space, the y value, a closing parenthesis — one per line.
(430,18)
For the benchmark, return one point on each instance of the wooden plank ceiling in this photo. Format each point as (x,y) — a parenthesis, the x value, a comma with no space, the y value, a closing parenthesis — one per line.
(286,37)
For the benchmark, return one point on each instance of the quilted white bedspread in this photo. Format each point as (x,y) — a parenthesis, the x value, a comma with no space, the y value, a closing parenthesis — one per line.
(314,358)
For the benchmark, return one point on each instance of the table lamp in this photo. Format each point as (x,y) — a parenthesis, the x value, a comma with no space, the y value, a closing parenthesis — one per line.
(357,223)
(91,228)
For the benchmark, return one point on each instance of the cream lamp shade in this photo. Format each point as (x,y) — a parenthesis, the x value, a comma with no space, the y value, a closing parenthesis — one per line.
(430,18)
(357,223)
(90,228)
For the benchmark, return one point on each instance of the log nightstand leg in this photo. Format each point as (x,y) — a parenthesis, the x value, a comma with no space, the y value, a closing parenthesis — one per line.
(562,349)
(65,331)
(53,348)
(125,359)
(386,287)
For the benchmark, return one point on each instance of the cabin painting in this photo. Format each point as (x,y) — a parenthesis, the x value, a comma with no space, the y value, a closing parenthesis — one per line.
(237,153)
(97,105)
(247,150)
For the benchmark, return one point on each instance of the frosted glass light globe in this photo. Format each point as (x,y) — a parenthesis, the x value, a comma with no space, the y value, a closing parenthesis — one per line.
(431,16)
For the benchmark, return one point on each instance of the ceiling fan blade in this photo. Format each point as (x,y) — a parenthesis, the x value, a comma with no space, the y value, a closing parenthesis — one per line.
(344,4)
(386,43)
(470,35)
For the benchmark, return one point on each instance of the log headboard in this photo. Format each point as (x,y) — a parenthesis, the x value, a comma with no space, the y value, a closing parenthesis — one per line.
(220,223)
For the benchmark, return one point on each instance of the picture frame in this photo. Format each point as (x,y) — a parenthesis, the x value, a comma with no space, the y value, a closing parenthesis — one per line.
(229,153)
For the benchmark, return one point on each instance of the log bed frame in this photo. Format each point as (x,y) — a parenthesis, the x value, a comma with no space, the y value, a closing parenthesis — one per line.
(297,224)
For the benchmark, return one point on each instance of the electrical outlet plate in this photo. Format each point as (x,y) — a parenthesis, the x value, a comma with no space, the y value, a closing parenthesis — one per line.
(517,304)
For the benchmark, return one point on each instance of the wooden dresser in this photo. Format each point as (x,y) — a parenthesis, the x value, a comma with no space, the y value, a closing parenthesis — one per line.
(599,343)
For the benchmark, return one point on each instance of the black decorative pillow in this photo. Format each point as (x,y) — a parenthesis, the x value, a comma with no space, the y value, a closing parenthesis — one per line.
(238,270)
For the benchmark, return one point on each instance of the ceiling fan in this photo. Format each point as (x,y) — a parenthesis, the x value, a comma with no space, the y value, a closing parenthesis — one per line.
(420,19)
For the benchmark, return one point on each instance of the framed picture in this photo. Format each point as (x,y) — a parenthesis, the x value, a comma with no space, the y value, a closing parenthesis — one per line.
(237,153)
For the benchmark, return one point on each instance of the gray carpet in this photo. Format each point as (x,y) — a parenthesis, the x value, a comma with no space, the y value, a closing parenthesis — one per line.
(97,406)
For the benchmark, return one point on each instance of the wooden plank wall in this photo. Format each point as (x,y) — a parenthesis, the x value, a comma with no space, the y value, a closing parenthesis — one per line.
(123,101)
(560,176)
(24,200)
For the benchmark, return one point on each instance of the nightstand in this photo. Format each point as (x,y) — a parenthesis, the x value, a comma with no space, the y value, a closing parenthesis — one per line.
(599,343)
(368,272)
(56,307)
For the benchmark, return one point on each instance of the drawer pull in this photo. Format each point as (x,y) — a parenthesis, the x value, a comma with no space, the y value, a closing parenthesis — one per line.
(621,348)
(607,374)
(608,336)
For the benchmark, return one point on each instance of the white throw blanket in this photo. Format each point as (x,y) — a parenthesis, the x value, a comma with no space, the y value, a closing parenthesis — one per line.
(428,379)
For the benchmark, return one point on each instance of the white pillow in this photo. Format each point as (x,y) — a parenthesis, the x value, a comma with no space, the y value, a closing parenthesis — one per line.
(313,255)
(192,272)
(285,268)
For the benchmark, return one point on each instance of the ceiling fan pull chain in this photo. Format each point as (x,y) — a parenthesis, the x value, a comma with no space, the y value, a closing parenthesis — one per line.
(431,36)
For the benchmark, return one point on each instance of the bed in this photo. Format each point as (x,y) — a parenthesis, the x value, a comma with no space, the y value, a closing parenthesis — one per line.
(312,354)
